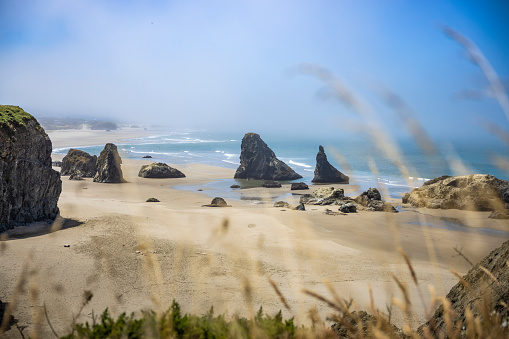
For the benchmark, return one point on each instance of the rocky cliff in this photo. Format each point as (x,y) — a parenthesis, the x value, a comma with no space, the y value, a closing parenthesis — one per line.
(258,161)
(325,172)
(29,187)
(108,165)
(477,192)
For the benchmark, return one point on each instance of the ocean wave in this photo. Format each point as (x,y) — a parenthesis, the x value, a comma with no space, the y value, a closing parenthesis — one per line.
(299,164)
(230,162)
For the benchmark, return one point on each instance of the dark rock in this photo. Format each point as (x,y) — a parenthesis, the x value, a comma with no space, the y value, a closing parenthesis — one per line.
(281,204)
(372,199)
(217,202)
(258,161)
(299,186)
(485,295)
(108,166)
(271,184)
(29,187)
(476,192)
(10,320)
(235,186)
(79,163)
(348,208)
(325,172)
(300,207)
(56,163)
(152,200)
(74,176)
(147,157)
(324,196)
(159,170)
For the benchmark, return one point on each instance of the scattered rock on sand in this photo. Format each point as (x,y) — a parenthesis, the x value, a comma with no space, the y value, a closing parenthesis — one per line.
(300,207)
(325,172)
(108,166)
(372,199)
(281,204)
(79,162)
(147,157)
(152,200)
(299,186)
(29,186)
(324,196)
(76,176)
(271,184)
(477,192)
(159,170)
(348,208)
(258,161)
(235,186)
(217,202)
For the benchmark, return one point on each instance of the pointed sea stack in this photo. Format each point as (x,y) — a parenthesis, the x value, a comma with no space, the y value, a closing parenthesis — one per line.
(108,166)
(258,161)
(325,172)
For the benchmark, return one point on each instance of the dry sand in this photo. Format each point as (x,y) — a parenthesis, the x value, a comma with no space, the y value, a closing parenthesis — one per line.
(134,255)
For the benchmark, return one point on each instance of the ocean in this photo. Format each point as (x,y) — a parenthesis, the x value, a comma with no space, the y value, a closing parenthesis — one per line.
(364,163)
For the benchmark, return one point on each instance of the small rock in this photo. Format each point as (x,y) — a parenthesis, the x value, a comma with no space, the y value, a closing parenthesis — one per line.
(271,184)
(147,157)
(67,245)
(217,202)
(199,190)
(152,200)
(251,225)
(235,186)
(300,207)
(299,186)
(281,204)
(75,176)
(348,208)
(330,212)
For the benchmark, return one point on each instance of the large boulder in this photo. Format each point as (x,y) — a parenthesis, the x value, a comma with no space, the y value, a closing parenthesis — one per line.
(258,161)
(325,172)
(29,187)
(372,199)
(324,196)
(108,166)
(78,162)
(485,291)
(477,192)
(159,170)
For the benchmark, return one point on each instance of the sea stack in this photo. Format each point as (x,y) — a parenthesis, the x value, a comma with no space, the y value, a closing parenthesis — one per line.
(29,187)
(258,161)
(79,163)
(325,172)
(108,166)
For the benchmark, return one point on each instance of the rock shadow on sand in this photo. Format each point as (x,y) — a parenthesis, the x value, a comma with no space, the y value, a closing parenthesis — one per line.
(39,228)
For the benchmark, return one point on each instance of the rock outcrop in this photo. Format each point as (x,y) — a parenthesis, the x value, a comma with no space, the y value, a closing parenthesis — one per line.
(299,186)
(258,161)
(325,172)
(476,192)
(217,202)
(29,187)
(324,196)
(108,166)
(159,170)
(78,162)
(484,290)
(372,199)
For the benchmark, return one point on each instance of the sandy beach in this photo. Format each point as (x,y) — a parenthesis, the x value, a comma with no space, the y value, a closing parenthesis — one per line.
(134,255)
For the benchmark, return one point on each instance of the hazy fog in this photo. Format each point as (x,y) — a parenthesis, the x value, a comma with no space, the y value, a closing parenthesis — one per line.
(228,64)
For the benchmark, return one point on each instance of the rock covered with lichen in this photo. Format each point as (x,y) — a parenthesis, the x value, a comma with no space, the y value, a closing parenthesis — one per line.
(29,187)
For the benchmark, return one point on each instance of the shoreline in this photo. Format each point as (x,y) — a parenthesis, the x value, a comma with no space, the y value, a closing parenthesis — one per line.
(134,255)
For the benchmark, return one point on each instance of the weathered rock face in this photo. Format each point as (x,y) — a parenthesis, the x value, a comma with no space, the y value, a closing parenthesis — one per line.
(108,166)
(80,163)
(480,292)
(372,199)
(159,170)
(29,187)
(299,186)
(324,196)
(325,172)
(477,192)
(258,161)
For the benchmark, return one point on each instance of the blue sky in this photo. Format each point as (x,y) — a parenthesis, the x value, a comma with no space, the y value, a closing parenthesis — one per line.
(227,64)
